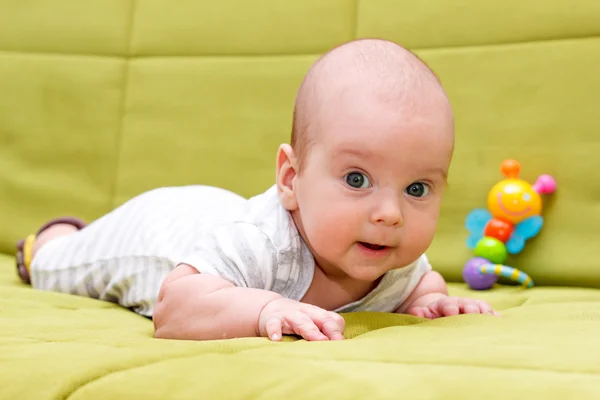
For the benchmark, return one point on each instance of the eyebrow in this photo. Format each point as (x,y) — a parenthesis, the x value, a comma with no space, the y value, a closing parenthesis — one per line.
(440,171)
(356,152)
(365,154)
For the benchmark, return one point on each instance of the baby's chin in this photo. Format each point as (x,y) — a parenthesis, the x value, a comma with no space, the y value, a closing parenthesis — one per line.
(364,273)
(371,272)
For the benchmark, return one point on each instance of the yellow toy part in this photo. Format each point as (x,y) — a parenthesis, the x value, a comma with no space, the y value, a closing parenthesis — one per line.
(513,199)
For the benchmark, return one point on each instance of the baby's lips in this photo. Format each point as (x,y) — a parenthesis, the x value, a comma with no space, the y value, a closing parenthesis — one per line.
(373,246)
(377,243)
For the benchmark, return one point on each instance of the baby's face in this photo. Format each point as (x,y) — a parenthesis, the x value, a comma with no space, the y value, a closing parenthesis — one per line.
(370,193)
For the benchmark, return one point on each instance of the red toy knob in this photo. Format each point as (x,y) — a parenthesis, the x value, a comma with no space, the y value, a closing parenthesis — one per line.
(498,229)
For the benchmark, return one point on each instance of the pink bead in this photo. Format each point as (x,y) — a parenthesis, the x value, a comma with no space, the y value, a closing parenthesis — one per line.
(545,184)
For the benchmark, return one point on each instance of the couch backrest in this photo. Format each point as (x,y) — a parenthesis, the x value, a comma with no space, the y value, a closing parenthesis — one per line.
(103,99)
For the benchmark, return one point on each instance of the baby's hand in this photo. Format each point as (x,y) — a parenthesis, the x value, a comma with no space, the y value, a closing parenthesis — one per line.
(285,316)
(449,305)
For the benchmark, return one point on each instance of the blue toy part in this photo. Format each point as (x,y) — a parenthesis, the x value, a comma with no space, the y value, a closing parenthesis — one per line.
(526,229)
(475,223)
(507,272)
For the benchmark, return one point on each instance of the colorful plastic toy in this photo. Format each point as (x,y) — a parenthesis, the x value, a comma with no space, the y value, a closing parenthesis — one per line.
(513,216)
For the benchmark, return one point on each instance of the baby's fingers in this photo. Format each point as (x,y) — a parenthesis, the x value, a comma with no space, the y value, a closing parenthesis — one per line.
(485,308)
(304,326)
(330,323)
(422,312)
(333,326)
(273,327)
(448,307)
(469,306)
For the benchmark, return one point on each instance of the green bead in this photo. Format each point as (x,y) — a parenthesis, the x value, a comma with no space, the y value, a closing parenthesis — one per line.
(491,249)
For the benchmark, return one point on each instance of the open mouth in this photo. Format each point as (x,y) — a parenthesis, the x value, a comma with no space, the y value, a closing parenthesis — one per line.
(371,246)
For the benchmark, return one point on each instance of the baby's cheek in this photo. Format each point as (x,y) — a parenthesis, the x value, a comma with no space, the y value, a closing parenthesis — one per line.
(332,231)
(419,237)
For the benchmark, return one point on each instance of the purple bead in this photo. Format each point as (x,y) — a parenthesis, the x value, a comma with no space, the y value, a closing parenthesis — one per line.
(475,279)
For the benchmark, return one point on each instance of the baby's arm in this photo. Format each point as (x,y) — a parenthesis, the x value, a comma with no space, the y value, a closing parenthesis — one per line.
(432,287)
(220,290)
(430,300)
(194,306)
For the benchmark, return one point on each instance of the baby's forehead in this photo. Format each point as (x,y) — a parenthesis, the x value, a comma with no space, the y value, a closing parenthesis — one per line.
(365,95)
(363,84)
(377,145)
(378,137)
(368,117)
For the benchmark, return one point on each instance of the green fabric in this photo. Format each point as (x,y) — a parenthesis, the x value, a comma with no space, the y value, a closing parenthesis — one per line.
(54,346)
(103,99)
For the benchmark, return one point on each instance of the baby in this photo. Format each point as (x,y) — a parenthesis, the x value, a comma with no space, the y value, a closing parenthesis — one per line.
(345,228)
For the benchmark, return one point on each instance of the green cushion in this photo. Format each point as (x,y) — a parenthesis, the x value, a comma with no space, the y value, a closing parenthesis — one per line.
(104,99)
(545,344)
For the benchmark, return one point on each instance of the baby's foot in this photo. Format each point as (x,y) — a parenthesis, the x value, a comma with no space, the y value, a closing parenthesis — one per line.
(26,248)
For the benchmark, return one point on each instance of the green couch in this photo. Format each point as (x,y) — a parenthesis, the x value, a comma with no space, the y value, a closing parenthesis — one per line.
(103,99)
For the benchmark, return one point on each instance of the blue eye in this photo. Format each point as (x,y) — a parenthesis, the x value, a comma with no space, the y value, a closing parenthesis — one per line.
(526,196)
(417,189)
(357,180)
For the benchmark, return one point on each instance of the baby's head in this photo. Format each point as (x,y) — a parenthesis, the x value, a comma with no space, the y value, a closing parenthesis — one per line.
(372,141)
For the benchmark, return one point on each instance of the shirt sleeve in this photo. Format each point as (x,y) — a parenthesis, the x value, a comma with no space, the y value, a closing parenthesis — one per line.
(423,267)
(420,269)
(238,252)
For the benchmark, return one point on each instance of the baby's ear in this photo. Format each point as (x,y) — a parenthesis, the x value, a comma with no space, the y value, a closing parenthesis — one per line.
(286,175)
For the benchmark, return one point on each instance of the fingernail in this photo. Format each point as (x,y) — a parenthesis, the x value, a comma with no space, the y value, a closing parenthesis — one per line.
(274,336)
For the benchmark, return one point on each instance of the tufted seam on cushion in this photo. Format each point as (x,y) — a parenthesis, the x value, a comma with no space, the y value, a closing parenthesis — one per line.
(123,107)
(355,17)
(412,362)
(161,360)
(489,367)
(129,57)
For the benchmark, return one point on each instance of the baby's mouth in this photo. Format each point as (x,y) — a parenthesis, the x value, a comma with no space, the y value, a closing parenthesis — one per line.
(372,246)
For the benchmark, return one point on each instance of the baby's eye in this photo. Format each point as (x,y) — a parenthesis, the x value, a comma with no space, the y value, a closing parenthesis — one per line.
(417,189)
(358,180)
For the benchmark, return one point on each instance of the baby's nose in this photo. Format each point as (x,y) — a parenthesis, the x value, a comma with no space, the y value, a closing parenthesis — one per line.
(388,213)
